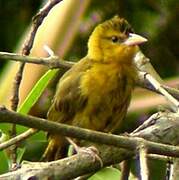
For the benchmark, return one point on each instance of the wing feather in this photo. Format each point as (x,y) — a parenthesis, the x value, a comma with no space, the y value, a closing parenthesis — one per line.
(68,98)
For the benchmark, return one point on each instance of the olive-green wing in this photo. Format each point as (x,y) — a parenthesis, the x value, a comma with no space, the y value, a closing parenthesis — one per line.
(68,98)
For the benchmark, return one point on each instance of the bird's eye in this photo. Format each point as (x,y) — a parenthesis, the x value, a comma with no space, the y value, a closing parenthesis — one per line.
(114,39)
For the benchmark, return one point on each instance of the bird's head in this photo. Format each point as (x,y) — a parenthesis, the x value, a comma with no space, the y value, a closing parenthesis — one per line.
(114,40)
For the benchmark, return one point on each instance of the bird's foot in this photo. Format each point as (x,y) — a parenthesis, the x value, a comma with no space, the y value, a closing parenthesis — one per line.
(93,152)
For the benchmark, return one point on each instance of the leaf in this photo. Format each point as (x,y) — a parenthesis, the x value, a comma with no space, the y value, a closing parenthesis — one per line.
(4,162)
(20,153)
(34,150)
(106,174)
(37,90)
(30,100)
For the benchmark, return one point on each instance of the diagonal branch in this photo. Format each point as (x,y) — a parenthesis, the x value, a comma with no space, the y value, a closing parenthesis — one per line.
(130,143)
(53,62)
(71,167)
(17,138)
(27,46)
(162,128)
(37,21)
(158,87)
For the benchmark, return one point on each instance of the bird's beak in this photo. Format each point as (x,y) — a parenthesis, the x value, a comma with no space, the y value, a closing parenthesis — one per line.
(134,39)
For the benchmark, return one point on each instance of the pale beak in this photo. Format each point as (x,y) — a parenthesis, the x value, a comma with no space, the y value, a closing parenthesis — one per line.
(134,39)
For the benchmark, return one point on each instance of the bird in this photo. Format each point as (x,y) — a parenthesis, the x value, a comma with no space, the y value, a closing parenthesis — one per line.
(95,93)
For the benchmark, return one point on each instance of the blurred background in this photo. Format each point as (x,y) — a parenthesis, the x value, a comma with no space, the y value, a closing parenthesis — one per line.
(66,31)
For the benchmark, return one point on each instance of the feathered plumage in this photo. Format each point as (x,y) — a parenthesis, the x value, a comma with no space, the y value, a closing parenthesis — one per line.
(95,93)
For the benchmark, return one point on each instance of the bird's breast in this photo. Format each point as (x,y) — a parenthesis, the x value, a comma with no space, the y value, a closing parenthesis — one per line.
(105,81)
(108,90)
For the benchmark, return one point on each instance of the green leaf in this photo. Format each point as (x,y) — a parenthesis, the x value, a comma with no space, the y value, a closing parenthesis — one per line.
(30,100)
(106,174)
(20,153)
(4,167)
(34,150)
(37,90)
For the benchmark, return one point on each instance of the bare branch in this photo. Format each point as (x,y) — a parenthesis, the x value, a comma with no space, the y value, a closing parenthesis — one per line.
(160,157)
(51,62)
(71,167)
(17,138)
(130,143)
(145,83)
(150,75)
(37,21)
(143,163)
(163,123)
(27,46)
(160,89)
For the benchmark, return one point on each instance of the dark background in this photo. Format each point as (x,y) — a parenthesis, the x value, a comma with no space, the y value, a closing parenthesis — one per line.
(156,20)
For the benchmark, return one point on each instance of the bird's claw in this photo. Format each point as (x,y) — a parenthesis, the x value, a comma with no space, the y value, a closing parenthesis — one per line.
(93,152)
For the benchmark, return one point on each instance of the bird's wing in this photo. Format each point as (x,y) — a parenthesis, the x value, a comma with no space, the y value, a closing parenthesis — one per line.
(68,98)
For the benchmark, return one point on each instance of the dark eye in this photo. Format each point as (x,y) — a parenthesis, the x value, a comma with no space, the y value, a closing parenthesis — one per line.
(114,39)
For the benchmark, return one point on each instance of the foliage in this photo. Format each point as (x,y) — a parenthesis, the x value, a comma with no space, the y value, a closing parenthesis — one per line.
(34,144)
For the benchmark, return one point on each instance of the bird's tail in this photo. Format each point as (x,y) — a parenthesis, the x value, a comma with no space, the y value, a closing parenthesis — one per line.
(56,149)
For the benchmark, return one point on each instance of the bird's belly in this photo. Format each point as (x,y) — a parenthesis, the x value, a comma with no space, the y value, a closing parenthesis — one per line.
(104,111)
(108,95)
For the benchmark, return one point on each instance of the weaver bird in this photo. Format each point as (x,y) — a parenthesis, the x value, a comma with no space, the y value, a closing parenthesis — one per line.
(95,93)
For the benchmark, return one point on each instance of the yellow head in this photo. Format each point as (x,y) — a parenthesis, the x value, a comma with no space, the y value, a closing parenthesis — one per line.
(113,40)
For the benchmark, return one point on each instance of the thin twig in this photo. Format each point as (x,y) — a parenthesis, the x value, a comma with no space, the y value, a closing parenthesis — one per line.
(130,143)
(174,92)
(49,50)
(143,64)
(143,162)
(17,138)
(160,157)
(160,89)
(37,21)
(75,146)
(51,62)
(14,104)
(27,46)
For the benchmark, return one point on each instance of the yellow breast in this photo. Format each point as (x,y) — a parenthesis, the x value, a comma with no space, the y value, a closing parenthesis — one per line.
(108,88)
(101,79)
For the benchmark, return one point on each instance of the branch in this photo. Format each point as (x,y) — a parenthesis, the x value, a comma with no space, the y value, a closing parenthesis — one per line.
(161,127)
(27,46)
(70,167)
(37,21)
(143,163)
(17,138)
(51,62)
(130,143)
(158,88)
(149,78)
(145,83)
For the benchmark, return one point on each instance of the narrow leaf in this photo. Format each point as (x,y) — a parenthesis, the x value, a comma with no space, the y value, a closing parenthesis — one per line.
(37,90)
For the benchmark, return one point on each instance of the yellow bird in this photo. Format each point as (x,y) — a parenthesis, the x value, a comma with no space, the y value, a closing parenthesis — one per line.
(95,93)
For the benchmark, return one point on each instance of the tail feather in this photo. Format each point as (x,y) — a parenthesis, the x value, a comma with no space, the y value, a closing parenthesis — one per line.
(56,149)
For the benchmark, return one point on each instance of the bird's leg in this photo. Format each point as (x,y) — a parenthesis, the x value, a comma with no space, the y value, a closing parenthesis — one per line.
(125,169)
(92,150)
(75,146)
